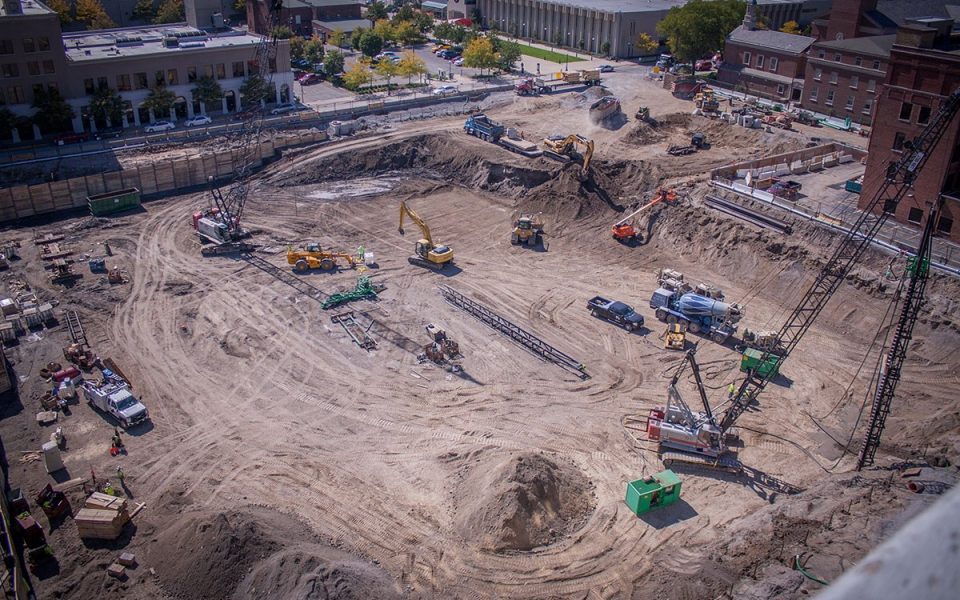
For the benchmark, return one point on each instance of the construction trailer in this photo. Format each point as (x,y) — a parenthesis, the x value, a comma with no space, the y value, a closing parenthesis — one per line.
(650,493)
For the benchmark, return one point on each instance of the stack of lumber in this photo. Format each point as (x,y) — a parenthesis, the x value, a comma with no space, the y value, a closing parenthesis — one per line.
(102,517)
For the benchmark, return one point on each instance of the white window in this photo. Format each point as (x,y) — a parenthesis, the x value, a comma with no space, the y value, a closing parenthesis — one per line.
(759,61)
(871,86)
(746,58)
(829,101)
(817,73)
(858,61)
(876,65)
(833,78)
(813,94)
(854,82)
(849,105)
(780,89)
(774,63)
(868,106)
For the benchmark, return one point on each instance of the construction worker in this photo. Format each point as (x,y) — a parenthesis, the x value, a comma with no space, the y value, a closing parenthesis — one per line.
(120,474)
(731,389)
(117,442)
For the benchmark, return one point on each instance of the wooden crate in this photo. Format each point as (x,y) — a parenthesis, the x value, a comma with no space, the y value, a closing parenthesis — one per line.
(100,524)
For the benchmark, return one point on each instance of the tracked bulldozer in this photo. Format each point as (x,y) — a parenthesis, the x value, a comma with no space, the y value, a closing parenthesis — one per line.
(527,231)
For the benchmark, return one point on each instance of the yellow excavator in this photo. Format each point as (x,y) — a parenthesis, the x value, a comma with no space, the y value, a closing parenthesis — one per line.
(426,253)
(312,256)
(574,146)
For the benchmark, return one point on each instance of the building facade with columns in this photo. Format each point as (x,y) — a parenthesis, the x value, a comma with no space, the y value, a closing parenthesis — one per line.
(579,24)
(35,55)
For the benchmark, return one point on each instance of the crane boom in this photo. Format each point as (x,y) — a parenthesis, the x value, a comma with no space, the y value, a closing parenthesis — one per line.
(424,229)
(919,271)
(899,178)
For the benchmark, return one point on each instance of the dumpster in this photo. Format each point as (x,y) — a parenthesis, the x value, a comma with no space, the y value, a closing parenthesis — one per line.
(661,489)
(113,202)
(751,360)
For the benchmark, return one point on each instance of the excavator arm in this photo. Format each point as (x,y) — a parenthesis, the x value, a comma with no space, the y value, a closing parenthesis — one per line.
(405,210)
(587,146)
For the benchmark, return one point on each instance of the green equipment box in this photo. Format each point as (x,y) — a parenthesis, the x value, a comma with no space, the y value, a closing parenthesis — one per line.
(113,202)
(661,489)
(751,360)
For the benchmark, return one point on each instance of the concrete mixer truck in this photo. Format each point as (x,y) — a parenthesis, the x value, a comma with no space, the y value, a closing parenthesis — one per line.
(699,314)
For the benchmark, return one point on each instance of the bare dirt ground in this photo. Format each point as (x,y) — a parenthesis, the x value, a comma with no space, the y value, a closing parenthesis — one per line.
(285,462)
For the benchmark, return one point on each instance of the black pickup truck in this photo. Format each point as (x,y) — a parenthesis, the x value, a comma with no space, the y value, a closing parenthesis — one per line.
(615,312)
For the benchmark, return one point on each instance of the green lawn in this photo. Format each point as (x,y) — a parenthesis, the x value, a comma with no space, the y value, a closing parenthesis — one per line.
(547,55)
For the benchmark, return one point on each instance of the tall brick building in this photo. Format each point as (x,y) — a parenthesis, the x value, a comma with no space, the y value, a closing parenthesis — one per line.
(924,67)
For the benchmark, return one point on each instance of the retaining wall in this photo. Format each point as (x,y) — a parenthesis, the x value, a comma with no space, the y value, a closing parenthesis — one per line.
(791,163)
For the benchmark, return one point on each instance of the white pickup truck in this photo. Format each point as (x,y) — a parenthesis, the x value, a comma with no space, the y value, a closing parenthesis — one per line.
(116,400)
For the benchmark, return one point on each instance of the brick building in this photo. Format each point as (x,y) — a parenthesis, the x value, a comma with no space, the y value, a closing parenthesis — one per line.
(843,76)
(299,15)
(763,62)
(924,67)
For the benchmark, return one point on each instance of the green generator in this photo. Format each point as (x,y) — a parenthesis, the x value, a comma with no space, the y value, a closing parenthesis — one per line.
(751,360)
(661,489)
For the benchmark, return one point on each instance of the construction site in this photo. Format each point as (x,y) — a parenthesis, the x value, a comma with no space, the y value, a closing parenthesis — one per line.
(528,352)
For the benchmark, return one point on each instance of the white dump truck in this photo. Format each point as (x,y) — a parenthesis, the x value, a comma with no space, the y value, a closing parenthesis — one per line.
(116,400)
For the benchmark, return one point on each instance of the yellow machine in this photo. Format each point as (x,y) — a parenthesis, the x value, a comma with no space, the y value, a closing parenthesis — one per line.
(573,146)
(527,231)
(675,337)
(427,254)
(312,256)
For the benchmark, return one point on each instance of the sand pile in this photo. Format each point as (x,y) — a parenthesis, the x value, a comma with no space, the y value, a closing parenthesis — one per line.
(523,502)
(657,130)
(256,554)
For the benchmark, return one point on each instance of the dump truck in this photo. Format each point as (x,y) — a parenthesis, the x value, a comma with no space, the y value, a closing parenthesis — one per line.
(616,312)
(699,314)
(113,396)
(484,127)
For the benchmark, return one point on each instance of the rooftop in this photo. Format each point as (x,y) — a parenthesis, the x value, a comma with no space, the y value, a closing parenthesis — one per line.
(143,41)
(899,11)
(29,8)
(627,6)
(345,25)
(874,45)
(317,3)
(776,40)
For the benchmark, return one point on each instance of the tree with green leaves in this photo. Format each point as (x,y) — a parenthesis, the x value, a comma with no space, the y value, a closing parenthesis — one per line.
(62,8)
(333,63)
(371,44)
(406,13)
(385,30)
(423,22)
(282,32)
(93,14)
(699,27)
(143,10)
(443,31)
(358,76)
(791,27)
(8,122)
(160,100)
(53,113)
(356,38)
(253,90)
(479,54)
(297,45)
(338,38)
(508,53)
(605,48)
(207,91)
(405,33)
(106,104)
(376,11)
(646,45)
(170,11)
(313,50)
(388,69)
(410,64)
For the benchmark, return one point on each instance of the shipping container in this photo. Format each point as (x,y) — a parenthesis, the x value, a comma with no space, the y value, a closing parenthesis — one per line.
(113,202)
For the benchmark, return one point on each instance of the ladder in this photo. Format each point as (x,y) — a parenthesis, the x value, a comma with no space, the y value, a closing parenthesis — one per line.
(514,332)
(286,277)
(76,328)
(356,332)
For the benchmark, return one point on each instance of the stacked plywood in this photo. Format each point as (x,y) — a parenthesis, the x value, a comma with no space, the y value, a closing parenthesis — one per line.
(102,517)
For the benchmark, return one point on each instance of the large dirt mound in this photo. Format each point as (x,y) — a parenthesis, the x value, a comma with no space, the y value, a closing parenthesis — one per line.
(315,572)
(523,502)
(208,554)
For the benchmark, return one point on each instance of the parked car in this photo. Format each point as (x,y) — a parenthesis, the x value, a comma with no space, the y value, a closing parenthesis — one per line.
(199,120)
(159,126)
(310,78)
(616,312)
(283,108)
(445,90)
(704,65)
(71,138)
(606,68)
(458,62)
